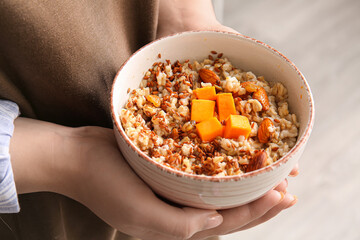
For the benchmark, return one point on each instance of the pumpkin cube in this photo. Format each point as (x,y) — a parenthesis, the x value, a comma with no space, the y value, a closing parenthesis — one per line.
(207,93)
(202,110)
(225,105)
(237,125)
(209,129)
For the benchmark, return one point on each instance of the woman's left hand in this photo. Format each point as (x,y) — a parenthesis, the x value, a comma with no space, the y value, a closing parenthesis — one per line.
(187,15)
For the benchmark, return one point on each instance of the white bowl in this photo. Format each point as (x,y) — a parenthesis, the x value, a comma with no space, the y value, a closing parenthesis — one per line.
(245,53)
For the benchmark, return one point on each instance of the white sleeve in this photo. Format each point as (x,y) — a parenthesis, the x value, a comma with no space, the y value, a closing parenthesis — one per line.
(9,111)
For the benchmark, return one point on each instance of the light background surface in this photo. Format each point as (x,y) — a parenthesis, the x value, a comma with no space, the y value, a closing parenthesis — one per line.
(322,37)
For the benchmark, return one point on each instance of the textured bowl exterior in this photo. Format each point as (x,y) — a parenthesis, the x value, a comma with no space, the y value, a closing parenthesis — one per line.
(246,53)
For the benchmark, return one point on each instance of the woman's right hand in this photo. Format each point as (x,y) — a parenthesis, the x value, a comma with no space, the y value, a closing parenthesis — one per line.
(85,164)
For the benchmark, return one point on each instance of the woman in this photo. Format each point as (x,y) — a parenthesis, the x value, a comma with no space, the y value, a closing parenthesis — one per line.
(57,63)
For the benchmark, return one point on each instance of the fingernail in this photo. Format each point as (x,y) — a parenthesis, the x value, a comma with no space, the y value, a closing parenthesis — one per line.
(282,196)
(293,201)
(294,174)
(213,221)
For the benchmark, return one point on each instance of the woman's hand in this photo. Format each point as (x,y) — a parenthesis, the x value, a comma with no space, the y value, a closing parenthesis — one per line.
(112,191)
(86,165)
(252,214)
(187,15)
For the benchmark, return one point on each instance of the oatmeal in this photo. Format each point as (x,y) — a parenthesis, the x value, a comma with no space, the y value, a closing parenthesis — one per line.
(209,117)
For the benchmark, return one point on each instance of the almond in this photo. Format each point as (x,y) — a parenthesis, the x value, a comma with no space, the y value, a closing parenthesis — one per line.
(257,161)
(209,76)
(250,86)
(264,133)
(262,97)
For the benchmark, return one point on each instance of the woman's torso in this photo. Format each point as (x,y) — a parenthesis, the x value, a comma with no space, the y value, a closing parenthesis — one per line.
(57,61)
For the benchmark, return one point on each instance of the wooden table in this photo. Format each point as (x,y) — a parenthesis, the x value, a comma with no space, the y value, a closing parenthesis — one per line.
(323,39)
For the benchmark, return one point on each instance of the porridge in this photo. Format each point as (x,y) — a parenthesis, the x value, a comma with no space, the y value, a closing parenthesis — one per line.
(209,117)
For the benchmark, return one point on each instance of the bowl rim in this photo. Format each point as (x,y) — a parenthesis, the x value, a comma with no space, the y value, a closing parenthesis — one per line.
(299,144)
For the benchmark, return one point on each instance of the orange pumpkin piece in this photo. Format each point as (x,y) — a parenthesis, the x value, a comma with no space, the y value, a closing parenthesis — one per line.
(202,110)
(207,93)
(209,129)
(154,99)
(223,130)
(236,126)
(225,105)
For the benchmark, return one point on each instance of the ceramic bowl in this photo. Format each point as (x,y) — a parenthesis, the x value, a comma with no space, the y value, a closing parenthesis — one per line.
(245,53)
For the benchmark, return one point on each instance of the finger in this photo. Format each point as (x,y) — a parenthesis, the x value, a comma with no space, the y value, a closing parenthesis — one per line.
(295,171)
(282,186)
(237,217)
(293,202)
(288,201)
